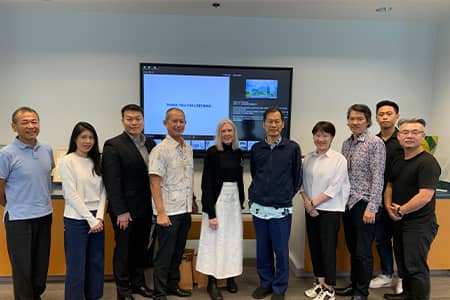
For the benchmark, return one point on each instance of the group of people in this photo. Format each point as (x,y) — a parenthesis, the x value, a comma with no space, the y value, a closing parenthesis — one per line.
(384,188)
(381,186)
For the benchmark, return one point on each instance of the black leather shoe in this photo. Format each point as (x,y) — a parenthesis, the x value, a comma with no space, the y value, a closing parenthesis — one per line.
(129,297)
(143,290)
(344,291)
(401,296)
(359,298)
(276,296)
(231,285)
(179,292)
(213,291)
(261,292)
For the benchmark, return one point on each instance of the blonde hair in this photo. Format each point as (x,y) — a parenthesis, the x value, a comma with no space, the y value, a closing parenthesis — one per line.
(218,139)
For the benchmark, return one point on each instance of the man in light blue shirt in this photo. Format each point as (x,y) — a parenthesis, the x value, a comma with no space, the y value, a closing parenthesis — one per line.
(25,187)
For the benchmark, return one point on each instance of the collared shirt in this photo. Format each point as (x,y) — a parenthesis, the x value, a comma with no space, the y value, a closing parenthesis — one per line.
(326,173)
(366,155)
(174,163)
(275,143)
(27,174)
(268,212)
(140,145)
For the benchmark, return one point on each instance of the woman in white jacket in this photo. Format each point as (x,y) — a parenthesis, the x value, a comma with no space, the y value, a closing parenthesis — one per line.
(84,196)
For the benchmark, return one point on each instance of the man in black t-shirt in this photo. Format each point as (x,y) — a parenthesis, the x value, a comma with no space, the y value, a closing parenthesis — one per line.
(410,201)
(387,117)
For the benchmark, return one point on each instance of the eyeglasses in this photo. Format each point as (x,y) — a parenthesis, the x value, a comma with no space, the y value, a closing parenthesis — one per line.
(412,132)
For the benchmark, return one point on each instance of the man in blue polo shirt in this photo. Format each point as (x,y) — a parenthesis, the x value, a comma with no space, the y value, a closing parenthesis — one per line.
(275,165)
(25,185)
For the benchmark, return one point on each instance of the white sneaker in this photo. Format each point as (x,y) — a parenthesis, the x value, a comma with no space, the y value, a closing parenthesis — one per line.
(325,294)
(399,286)
(314,291)
(380,281)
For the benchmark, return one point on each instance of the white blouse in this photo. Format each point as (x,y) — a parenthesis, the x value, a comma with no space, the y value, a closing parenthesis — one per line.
(83,190)
(327,173)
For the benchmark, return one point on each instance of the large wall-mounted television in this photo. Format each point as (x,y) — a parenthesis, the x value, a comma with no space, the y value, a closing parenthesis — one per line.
(208,94)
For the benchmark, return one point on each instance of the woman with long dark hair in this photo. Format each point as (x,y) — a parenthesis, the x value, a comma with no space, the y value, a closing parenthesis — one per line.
(84,194)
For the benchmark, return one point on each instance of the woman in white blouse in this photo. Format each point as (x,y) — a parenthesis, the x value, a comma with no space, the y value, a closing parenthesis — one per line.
(325,192)
(84,196)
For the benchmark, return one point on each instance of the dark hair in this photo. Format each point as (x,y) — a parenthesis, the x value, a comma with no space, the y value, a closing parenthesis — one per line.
(362,108)
(324,126)
(94,153)
(132,107)
(23,109)
(388,103)
(272,110)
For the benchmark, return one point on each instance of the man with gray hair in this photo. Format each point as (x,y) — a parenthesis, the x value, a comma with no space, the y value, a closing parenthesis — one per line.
(410,200)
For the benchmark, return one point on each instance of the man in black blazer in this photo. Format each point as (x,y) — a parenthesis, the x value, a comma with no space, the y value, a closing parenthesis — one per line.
(125,175)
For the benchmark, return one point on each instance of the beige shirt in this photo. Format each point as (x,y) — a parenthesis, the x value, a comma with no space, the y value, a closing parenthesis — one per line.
(174,163)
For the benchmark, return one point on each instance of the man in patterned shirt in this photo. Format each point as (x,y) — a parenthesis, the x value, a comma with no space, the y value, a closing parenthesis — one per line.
(171,169)
(366,155)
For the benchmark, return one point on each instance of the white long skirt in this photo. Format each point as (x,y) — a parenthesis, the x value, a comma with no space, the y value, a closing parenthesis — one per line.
(220,251)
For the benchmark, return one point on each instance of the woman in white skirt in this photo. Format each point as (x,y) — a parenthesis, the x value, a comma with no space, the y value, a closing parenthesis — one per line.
(220,249)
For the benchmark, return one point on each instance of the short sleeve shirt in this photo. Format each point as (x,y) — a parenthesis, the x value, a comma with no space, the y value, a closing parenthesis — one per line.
(27,174)
(174,163)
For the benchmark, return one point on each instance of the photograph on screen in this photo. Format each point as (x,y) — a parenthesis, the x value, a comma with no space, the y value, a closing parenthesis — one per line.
(264,89)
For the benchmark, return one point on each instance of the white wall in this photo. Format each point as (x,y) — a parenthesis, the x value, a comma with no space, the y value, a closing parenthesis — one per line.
(440,104)
(74,66)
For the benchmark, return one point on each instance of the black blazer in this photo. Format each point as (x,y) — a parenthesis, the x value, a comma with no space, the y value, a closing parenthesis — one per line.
(126,178)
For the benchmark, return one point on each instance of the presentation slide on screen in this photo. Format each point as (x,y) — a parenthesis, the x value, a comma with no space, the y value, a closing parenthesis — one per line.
(204,100)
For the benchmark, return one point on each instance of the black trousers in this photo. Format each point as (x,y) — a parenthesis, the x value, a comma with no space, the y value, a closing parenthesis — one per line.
(412,241)
(171,243)
(359,238)
(322,237)
(130,254)
(28,244)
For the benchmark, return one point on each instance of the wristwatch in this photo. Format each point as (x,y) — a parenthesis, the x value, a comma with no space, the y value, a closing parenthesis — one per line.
(399,212)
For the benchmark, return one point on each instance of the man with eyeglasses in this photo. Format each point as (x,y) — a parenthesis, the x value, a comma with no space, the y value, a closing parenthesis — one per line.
(410,200)
(25,186)
(365,154)
(125,175)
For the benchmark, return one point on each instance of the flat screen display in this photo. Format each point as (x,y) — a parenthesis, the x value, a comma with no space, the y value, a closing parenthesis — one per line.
(207,94)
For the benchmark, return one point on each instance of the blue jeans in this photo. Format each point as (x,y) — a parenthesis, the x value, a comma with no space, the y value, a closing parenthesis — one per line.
(84,261)
(383,239)
(272,236)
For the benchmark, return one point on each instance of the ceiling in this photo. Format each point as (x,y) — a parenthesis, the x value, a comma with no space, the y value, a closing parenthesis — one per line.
(402,10)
